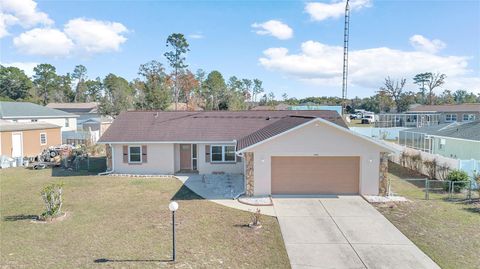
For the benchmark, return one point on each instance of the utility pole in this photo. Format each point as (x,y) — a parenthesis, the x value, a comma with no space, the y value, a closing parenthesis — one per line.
(345,56)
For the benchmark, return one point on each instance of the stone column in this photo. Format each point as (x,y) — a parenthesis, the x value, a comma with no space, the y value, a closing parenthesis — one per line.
(383,174)
(248,157)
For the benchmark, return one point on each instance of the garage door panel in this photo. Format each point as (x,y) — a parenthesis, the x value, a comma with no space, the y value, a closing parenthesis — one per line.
(315,175)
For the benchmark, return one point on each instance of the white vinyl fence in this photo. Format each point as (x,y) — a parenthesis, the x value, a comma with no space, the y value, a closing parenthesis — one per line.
(471,167)
(380,133)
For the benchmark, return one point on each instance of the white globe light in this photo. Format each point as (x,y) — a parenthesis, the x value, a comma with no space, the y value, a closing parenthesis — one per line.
(173,206)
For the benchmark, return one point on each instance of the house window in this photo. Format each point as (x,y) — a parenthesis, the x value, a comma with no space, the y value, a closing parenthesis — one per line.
(223,153)
(194,157)
(134,154)
(442,143)
(468,117)
(43,138)
(67,123)
(229,155)
(450,117)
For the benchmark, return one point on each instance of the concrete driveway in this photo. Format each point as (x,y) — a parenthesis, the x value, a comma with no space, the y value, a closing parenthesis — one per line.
(343,232)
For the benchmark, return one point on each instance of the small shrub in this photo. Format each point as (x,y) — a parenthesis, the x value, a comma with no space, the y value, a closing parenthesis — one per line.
(477,178)
(52,197)
(431,168)
(256,218)
(416,162)
(404,158)
(443,171)
(460,179)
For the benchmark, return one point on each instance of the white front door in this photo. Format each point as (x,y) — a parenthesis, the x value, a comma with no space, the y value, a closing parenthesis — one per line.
(17,145)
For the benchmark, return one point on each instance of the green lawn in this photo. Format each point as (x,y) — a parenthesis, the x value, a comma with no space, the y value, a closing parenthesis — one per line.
(125,223)
(358,123)
(447,231)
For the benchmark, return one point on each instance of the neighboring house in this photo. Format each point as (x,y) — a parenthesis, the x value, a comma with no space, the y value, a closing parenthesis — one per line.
(27,139)
(304,106)
(29,112)
(453,140)
(276,107)
(90,124)
(451,113)
(279,152)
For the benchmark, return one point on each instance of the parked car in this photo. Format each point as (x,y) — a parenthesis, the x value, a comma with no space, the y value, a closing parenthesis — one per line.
(368,119)
(356,116)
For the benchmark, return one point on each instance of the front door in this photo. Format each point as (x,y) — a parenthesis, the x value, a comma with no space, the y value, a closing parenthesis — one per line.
(17,145)
(185,157)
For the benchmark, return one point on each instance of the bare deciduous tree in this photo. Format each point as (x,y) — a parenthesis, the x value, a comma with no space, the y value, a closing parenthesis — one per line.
(395,90)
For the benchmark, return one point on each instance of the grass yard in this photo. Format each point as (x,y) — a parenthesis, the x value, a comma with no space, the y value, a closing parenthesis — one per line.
(124,222)
(447,231)
(358,123)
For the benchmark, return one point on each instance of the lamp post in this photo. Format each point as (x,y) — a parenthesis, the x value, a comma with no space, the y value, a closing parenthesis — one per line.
(173,206)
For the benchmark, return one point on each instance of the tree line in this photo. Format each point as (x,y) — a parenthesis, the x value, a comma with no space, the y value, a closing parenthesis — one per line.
(392,96)
(157,88)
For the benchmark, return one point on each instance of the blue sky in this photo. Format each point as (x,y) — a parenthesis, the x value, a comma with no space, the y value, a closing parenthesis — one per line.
(294,48)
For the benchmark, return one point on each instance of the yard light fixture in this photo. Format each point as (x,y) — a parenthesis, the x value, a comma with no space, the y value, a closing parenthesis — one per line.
(173,206)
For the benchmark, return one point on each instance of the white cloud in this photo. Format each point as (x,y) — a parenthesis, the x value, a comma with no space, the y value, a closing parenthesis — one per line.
(422,43)
(274,28)
(21,12)
(322,11)
(95,36)
(79,36)
(44,42)
(321,64)
(27,67)
(196,36)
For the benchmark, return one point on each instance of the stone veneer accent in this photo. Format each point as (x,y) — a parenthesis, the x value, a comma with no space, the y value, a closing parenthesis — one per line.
(383,177)
(248,156)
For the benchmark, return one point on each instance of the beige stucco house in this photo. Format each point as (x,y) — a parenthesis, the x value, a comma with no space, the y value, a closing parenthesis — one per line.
(27,139)
(278,152)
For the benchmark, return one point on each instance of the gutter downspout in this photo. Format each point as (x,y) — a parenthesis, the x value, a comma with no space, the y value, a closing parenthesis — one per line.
(113,163)
(244,182)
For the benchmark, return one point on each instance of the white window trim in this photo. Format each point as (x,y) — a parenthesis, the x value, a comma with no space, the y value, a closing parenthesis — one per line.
(468,117)
(46,141)
(141,154)
(452,115)
(67,123)
(223,153)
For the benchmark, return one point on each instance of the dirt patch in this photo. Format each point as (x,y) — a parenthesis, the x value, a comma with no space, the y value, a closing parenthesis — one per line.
(46,220)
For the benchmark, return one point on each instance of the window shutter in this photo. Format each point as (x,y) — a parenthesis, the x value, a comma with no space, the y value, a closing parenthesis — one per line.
(207,153)
(125,154)
(144,153)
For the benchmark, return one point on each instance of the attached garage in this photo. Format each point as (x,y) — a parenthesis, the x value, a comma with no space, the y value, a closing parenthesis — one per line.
(312,156)
(315,175)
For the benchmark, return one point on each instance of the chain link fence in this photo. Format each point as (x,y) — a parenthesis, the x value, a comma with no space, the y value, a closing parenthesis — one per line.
(445,189)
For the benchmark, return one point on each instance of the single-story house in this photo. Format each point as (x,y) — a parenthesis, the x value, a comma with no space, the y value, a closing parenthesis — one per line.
(458,140)
(450,113)
(27,139)
(30,112)
(90,123)
(279,152)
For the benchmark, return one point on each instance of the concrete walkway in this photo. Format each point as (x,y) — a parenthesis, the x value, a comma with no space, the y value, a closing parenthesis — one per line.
(343,232)
(221,189)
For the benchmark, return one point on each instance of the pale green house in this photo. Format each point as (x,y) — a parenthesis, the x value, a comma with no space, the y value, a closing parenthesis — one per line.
(454,140)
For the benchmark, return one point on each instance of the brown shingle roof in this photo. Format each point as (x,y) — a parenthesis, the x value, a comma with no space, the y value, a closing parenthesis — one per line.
(272,130)
(447,108)
(153,126)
